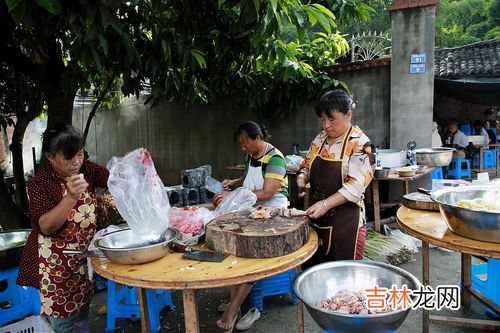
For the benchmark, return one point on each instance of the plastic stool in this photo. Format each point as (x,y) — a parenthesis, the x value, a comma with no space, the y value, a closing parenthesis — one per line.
(123,303)
(489,159)
(101,283)
(16,301)
(274,285)
(436,174)
(485,278)
(467,129)
(458,168)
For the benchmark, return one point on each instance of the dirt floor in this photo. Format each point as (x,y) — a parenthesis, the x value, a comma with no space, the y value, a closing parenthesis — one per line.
(280,315)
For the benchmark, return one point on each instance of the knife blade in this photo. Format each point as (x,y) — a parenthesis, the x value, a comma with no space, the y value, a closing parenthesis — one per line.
(204,255)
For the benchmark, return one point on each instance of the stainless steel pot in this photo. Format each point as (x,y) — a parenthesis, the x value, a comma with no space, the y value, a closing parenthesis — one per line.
(11,256)
(127,247)
(434,157)
(472,223)
(324,280)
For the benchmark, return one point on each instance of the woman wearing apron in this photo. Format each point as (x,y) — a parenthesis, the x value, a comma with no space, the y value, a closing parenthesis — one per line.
(339,167)
(265,175)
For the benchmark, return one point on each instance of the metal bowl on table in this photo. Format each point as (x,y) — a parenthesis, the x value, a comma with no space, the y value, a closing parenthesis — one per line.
(382,172)
(434,157)
(325,280)
(12,244)
(476,223)
(127,247)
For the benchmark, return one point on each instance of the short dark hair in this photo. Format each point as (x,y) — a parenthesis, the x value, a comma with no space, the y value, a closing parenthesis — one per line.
(62,138)
(251,129)
(334,100)
(478,123)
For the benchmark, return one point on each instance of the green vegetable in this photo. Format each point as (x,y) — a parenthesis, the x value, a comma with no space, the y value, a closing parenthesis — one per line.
(386,249)
(13,245)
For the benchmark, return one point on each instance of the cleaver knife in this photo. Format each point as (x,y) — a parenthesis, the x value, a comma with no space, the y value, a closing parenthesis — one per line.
(204,255)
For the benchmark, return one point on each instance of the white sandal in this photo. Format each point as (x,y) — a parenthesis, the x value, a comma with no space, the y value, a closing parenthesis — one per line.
(248,319)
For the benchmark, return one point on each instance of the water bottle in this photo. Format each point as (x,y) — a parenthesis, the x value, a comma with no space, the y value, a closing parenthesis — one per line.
(295,149)
(411,152)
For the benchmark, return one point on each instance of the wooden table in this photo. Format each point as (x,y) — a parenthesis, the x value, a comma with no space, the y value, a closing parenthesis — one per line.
(175,273)
(393,175)
(481,149)
(431,228)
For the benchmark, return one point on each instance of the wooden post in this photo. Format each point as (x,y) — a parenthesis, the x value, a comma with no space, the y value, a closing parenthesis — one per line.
(465,279)
(376,204)
(300,311)
(425,278)
(143,308)
(191,320)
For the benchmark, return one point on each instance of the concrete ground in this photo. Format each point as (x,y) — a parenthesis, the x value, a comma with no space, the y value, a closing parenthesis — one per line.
(280,316)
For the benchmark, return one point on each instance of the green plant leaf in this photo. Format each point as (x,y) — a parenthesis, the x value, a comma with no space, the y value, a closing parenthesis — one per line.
(52,6)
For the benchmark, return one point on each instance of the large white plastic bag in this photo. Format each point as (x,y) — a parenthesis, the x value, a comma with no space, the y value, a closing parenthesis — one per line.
(239,199)
(138,192)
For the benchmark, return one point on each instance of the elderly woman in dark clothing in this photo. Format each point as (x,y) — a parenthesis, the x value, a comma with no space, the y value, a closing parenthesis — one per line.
(62,209)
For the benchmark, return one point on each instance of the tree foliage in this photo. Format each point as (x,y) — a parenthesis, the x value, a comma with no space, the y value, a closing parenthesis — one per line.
(187,50)
(462,22)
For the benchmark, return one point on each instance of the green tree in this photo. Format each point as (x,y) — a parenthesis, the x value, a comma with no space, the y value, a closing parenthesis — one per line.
(463,22)
(187,50)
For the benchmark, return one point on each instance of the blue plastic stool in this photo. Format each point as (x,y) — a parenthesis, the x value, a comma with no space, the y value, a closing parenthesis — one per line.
(436,174)
(16,301)
(485,278)
(458,168)
(489,159)
(274,285)
(467,129)
(123,303)
(101,283)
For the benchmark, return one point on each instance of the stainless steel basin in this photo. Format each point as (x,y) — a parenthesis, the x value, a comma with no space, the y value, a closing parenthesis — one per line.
(127,247)
(325,280)
(434,157)
(472,223)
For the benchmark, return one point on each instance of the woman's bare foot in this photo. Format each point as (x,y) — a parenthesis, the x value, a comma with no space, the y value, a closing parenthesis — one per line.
(228,319)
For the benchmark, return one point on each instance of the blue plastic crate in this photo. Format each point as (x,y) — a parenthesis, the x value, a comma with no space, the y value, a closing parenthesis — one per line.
(485,278)
(15,301)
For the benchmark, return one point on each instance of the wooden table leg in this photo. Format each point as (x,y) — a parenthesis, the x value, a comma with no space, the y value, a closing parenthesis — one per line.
(300,310)
(376,204)
(143,308)
(190,311)
(465,279)
(425,277)
(300,316)
(406,187)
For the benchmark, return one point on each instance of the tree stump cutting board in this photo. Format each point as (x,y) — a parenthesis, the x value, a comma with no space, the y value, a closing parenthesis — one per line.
(417,200)
(242,236)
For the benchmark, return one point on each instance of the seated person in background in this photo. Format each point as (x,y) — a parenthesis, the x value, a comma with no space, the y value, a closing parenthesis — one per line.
(436,138)
(491,134)
(479,130)
(459,141)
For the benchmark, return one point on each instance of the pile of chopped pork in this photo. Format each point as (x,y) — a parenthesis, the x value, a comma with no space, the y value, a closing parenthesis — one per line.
(348,302)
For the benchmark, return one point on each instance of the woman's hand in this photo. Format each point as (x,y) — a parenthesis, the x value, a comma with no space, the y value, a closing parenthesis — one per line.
(317,210)
(219,197)
(301,185)
(228,184)
(76,185)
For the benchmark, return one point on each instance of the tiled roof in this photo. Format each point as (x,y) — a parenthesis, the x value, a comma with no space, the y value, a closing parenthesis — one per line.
(478,59)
